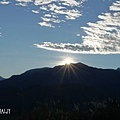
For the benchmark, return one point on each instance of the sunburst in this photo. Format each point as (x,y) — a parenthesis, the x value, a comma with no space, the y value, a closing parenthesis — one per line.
(67,61)
(68,68)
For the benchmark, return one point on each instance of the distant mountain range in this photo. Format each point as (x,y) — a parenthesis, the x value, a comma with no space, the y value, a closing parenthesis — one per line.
(66,83)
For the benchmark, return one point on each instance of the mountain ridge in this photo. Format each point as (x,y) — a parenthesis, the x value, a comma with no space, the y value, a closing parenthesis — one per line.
(68,84)
(62,74)
(1,78)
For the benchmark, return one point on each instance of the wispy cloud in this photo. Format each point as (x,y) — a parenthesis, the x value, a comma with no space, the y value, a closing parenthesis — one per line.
(4,2)
(102,37)
(35,11)
(66,47)
(78,35)
(69,10)
(23,3)
(105,33)
(46,24)
(58,10)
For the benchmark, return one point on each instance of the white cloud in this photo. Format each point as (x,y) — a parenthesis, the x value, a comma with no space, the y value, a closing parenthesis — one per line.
(78,35)
(66,47)
(102,37)
(35,11)
(47,15)
(56,21)
(54,9)
(43,2)
(23,3)
(64,2)
(69,9)
(46,24)
(105,33)
(57,10)
(116,6)
(73,14)
(46,19)
(43,7)
(4,2)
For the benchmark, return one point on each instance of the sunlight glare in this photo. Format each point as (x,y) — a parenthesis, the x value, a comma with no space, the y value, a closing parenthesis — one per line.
(67,61)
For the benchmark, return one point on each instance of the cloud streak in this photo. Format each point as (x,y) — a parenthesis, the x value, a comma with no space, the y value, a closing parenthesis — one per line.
(102,37)
(66,47)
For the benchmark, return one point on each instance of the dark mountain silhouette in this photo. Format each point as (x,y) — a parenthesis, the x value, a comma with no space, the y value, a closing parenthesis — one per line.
(67,74)
(1,78)
(68,84)
(118,69)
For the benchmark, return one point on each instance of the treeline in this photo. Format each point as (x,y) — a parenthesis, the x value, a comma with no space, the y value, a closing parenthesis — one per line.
(105,110)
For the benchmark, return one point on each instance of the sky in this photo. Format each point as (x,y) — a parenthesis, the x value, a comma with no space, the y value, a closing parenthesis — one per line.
(43,33)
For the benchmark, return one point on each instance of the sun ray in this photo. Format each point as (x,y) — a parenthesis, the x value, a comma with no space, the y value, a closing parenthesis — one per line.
(67,70)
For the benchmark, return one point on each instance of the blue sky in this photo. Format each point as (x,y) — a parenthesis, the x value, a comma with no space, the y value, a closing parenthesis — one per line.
(40,33)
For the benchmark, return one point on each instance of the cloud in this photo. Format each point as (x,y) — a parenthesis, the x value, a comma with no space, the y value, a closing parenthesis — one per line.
(105,33)
(66,47)
(4,2)
(43,7)
(116,6)
(23,3)
(58,10)
(78,35)
(46,24)
(47,15)
(102,37)
(35,11)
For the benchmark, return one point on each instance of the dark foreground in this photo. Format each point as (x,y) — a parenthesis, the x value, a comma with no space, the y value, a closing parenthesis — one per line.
(106,110)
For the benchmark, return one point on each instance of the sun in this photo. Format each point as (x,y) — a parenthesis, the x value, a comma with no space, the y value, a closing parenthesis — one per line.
(67,61)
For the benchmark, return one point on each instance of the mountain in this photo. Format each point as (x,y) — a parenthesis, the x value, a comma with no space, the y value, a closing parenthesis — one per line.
(67,74)
(118,69)
(1,78)
(68,84)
